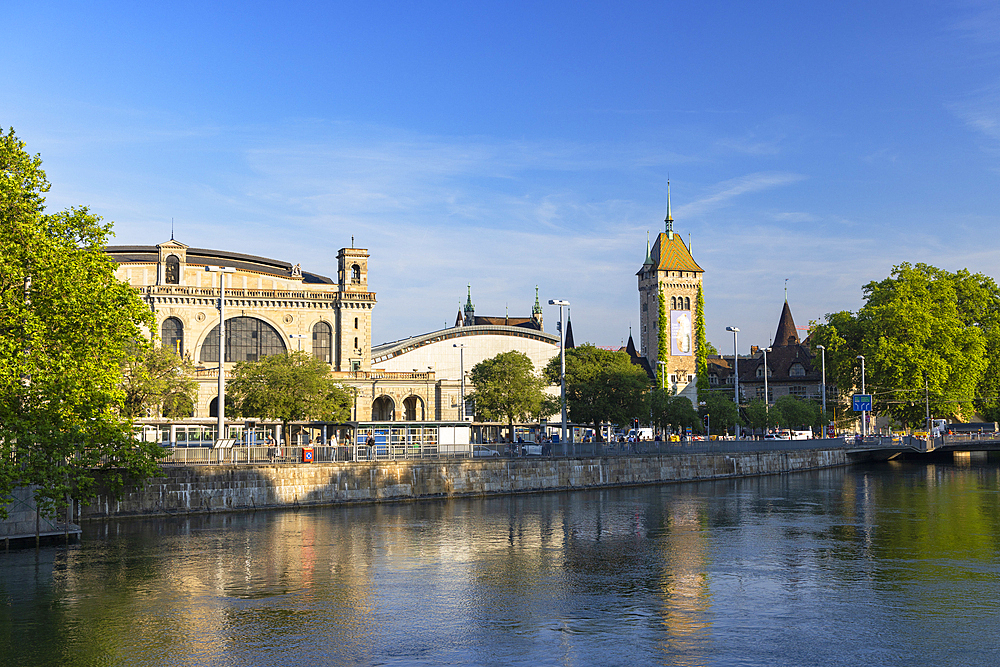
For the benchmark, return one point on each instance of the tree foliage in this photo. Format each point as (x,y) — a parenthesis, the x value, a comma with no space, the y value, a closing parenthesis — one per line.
(701,347)
(506,388)
(670,410)
(662,335)
(156,381)
(290,387)
(602,386)
(67,327)
(722,411)
(920,324)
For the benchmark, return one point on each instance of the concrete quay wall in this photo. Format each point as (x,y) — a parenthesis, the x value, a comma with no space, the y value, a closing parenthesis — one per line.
(198,489)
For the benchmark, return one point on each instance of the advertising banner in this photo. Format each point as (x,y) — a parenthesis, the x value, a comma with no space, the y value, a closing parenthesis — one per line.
(681,333)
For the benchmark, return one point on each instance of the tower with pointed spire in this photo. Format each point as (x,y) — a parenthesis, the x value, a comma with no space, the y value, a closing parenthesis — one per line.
(669,267)
(469,310)
(536,310)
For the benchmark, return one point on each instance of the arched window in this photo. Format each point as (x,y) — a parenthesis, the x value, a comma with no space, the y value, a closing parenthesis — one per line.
(413,409)
(383,409)
(355,274)
(172,275)
(247,339)
(322,339)
(796,370)
(673,303)
(355,323)
(687,303)
(172,335)
(355,343)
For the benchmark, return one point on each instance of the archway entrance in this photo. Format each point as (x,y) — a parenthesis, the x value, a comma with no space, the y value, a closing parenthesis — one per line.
(413,409)
(383,409)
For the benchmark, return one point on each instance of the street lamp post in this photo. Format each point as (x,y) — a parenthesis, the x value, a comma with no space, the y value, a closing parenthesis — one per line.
(736,376)
(461,370)
(562,364)
(864,414)
(299,337)
(767,396)
(222,271)
(823,384)
(663,373)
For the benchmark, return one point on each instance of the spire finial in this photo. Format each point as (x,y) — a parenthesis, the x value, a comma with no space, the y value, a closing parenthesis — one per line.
(786,290)
(171,229)
(649,258)
(669,219)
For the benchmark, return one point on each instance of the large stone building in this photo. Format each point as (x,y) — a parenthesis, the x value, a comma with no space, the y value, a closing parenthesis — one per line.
(669,267)
(271,307)
(450,352)
(792,368)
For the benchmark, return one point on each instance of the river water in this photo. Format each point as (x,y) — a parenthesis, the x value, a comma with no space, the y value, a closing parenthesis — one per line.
(894,564)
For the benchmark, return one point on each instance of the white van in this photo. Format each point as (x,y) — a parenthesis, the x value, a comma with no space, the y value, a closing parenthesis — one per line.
(641,433)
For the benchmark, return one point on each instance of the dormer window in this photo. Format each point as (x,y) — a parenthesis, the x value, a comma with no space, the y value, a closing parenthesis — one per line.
(796,371)
(172,273)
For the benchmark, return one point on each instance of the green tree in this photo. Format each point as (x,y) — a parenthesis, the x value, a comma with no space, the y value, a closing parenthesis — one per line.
(920,322)
(662,336)
(669,409)
(289,387)
(506,388)
(701,347)
(156,380)
(797,413)
(722,411)
(67,327)
(602,386)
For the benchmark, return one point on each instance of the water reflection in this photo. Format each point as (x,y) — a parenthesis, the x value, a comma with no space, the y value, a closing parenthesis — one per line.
(882,565)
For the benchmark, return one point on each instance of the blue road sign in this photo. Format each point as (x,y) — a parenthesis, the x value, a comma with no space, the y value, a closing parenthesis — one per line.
(862,402)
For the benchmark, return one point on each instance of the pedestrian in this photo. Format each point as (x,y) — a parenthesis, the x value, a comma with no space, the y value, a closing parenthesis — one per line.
(271,449)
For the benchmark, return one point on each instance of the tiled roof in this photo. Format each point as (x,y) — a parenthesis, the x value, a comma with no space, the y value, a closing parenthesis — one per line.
(673,254)
(786,333)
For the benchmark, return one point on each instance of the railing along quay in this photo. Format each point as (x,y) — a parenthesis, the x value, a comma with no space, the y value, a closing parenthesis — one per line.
(262,455)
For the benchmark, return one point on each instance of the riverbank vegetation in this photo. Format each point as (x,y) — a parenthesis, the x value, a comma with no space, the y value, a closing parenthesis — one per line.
(67,328)
(929,337)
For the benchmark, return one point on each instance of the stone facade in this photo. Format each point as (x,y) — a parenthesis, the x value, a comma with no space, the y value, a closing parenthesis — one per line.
(670,267)
(270,307)
(246,487)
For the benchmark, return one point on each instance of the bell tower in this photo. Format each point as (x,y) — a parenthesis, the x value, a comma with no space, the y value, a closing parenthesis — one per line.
(353,312)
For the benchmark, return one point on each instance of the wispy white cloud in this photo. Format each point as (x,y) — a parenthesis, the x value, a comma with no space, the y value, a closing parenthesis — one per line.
(726,191)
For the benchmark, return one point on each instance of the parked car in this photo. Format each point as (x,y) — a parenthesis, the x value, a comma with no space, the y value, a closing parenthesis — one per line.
(531,450)
(480,450)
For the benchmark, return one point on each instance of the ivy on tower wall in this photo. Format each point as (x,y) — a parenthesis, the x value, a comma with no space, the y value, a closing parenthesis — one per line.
(701,348)
(662,338)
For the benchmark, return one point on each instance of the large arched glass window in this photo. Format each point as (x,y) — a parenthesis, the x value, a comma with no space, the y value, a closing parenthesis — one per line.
(247,339)
(322,337)
(172,335)
(173,272)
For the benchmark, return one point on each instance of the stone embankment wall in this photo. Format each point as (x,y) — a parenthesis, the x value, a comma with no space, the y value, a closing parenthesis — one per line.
(227,488)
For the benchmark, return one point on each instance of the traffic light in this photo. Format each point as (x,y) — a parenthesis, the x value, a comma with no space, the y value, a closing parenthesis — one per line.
(635,424)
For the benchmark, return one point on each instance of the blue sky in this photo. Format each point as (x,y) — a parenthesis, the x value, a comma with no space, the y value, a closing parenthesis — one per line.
(514,144)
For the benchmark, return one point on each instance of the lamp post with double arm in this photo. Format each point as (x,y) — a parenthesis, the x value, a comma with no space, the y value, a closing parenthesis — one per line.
(736,376)
(222,271)
(562,365)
